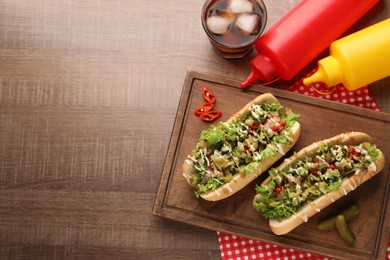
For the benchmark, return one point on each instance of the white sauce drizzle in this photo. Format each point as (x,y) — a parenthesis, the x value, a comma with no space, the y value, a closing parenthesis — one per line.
(372,167)
(273,148)
(228,187)
(280,149)
(357,172)
(355,184)
(288,137)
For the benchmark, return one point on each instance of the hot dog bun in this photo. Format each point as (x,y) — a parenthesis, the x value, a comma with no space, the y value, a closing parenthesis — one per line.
(239,181)
(348,184)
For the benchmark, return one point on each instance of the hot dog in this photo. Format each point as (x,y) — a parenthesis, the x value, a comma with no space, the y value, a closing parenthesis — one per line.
(315,177)
(230,155)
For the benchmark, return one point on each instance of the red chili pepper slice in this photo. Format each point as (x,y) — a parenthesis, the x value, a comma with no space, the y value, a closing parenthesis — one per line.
(205,107)
(352,152)
(279,189)
(208,95)
(210,116)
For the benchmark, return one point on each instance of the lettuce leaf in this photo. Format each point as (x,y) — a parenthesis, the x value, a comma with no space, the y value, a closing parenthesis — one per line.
(213,136)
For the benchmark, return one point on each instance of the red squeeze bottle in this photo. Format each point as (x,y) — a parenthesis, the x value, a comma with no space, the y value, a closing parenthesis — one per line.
(301,35)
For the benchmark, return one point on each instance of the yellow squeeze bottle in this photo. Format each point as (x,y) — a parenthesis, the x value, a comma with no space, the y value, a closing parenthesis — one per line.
(357,59)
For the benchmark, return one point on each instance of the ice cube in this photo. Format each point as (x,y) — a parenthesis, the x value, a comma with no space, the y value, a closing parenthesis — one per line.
(248,23)
(240,6)
(218,22)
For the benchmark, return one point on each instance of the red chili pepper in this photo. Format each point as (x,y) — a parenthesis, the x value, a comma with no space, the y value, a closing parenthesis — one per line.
(279,190)
(352,152)
(210,116)
(208,95)
(279,126)
(205,107)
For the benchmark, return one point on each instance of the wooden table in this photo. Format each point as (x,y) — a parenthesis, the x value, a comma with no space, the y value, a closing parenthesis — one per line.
(88,97)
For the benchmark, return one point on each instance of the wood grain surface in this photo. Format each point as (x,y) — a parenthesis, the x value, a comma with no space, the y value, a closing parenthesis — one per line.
(88,96)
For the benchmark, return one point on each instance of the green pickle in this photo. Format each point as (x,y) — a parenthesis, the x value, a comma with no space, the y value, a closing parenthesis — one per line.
(344,231)
(348,214)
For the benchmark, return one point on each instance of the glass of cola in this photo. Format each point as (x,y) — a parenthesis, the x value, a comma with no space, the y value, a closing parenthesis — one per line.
(233,26)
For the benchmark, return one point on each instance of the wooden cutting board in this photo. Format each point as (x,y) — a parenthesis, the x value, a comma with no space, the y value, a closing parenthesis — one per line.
(319,119)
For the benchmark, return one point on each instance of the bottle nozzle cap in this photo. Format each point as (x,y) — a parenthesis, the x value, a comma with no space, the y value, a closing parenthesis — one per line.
(262,69)
(316,77)
(328,72)
(250,79)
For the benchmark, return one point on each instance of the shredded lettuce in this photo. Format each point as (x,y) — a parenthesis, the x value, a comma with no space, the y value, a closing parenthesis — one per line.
(212,136)
(291,119)
(311,177)
(240,145)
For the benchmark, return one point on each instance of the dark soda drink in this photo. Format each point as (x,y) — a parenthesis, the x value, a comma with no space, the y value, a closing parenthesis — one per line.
(233,25)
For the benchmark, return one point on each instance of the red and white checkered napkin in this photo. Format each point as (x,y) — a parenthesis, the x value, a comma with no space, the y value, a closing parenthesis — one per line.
(360,97)
(239,248)
(235,248)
